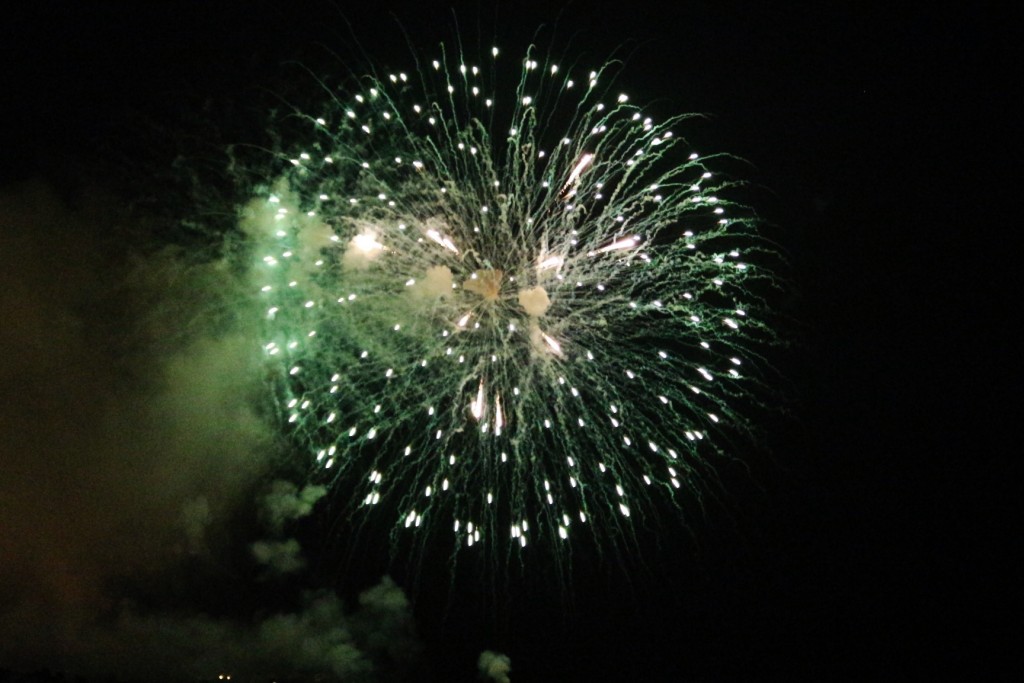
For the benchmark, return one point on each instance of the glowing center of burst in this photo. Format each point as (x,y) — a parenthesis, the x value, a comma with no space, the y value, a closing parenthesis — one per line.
(366,243)
(533,301)
(486,283)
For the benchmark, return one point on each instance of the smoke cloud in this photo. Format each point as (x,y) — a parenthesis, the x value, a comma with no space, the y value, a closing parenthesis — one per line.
(494,666)
(131,434)
(282,557)
(285,502)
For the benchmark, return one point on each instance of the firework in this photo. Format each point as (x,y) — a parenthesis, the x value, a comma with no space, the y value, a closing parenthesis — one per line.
(505,316)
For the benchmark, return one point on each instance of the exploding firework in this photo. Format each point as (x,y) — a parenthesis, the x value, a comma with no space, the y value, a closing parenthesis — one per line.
(505,316)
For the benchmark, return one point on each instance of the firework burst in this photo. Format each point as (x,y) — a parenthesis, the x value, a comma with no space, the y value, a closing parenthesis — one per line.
(505,316)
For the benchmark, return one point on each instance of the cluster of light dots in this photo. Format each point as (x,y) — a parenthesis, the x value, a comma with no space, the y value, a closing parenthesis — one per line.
(501,330)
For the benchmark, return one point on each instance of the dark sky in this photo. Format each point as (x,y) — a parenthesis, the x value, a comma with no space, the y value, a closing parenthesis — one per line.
(875,540)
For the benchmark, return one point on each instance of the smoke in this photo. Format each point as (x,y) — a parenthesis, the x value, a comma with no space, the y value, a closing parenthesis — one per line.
(386,629)
(285,502)
(282,557)
(494,666)
(131,435)
(321,640)
(195,518)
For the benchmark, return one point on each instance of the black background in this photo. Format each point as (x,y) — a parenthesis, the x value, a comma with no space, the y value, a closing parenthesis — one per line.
(880,540)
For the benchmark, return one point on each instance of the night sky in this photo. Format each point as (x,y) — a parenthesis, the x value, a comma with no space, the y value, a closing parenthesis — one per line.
(872,535)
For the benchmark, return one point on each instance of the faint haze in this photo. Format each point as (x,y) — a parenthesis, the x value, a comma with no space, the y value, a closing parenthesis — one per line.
(130,437)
